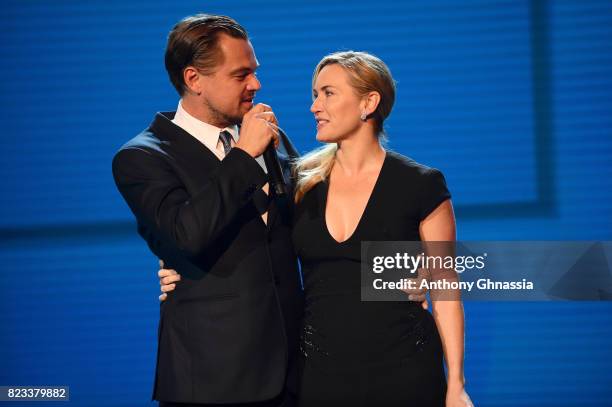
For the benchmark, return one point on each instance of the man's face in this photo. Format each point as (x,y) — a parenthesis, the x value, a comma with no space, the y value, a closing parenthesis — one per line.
(227,94)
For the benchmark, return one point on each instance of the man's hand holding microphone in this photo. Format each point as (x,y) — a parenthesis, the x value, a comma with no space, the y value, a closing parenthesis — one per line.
(259,128)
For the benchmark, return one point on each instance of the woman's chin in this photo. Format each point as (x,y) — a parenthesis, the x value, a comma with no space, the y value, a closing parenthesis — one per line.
(324,138)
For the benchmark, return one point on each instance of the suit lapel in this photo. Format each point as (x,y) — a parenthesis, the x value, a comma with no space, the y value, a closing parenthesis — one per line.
(182,142)
(188,147)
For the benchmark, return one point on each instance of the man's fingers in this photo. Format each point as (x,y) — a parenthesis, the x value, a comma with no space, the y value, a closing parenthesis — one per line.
(267,115)
(163,297)
(167,287)
(274,129)
(259,108)
(166,272)
(424,274)
(161,264)
(271,123)
(417,297)
(170,279)
(275,132)
(269,118)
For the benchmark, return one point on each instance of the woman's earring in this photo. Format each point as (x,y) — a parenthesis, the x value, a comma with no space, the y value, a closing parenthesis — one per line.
(363,116)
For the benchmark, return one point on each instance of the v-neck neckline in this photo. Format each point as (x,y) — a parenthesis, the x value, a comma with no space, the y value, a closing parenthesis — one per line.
(365,209)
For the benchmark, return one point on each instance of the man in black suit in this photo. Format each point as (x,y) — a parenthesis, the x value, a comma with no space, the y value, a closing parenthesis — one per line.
(198,189)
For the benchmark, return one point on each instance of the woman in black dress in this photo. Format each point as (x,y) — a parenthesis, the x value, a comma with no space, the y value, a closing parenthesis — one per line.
(351,190)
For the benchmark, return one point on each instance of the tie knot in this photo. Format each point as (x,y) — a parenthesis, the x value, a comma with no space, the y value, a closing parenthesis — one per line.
(225,138)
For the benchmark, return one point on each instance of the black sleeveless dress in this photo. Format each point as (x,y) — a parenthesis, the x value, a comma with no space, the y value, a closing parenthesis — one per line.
(358,353)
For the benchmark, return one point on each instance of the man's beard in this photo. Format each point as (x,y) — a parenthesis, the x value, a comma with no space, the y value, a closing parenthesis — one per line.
(221,117)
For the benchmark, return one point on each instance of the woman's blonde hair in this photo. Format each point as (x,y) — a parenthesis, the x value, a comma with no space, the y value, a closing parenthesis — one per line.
(367,73)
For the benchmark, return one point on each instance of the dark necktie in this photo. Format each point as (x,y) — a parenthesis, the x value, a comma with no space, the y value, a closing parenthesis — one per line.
(225,138)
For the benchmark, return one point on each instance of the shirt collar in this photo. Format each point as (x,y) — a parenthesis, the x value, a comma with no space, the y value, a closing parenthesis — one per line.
(206,133)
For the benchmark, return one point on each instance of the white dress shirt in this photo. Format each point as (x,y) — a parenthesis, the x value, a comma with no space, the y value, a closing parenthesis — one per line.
(208,134)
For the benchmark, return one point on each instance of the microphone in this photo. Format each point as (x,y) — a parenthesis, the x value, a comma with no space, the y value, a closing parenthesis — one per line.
(275,174)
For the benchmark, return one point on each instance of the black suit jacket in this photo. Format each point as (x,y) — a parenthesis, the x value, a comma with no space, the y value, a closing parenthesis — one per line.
(228,333)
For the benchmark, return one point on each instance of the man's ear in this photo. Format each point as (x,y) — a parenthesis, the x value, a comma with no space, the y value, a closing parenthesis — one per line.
(193,80)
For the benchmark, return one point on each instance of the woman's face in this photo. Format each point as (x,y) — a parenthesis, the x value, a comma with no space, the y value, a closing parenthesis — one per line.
(336,107)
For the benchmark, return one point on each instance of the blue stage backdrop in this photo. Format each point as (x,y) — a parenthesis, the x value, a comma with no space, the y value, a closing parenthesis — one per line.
(510,99)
